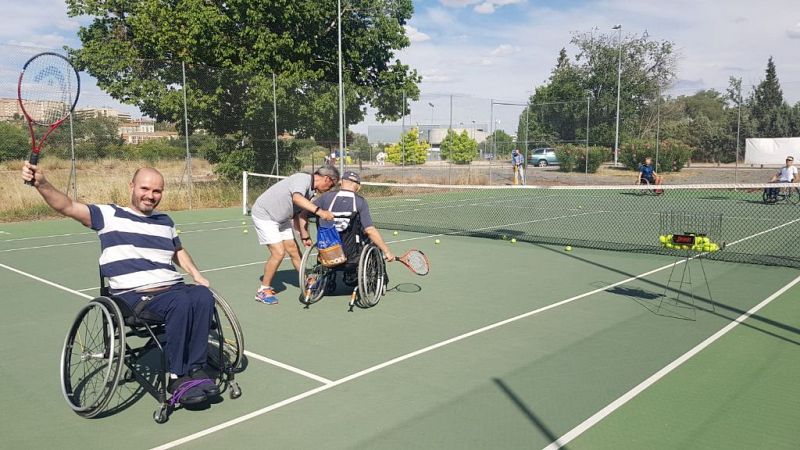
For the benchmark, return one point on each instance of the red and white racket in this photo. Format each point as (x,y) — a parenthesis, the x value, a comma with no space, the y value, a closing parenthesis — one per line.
(416,261)
(48,91)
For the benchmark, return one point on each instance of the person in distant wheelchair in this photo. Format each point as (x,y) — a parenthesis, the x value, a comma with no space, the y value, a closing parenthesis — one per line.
(786,174)
(648,175)
(353,222)
(139,249)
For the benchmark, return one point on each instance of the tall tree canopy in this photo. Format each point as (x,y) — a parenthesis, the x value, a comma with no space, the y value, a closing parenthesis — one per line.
(557,109)
(231,49)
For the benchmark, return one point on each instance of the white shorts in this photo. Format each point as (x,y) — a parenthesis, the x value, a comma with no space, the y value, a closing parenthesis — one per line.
(271,232)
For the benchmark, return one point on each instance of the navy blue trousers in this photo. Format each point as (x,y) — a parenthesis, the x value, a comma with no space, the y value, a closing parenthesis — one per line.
(186,311)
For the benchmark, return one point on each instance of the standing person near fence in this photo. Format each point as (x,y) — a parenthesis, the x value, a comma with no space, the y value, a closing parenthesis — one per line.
(518,161)
(275,215)
(139,250)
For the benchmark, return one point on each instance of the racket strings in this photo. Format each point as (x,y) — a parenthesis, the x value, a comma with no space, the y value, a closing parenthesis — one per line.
(418,262)
(48,88)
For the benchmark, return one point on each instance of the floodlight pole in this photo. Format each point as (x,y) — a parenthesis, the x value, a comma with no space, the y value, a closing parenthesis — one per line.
(430,130)
(341,88)
(275,122)
(738,130)
(186,132)
(619,81)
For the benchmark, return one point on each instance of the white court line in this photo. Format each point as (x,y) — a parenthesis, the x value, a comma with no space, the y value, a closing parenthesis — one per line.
(630,395)
(288,367)
(45,246)
(47,282)
(398,359)
(249,353)
(92,232)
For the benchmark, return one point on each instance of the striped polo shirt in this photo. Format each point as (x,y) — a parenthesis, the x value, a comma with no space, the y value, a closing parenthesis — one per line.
(136,250)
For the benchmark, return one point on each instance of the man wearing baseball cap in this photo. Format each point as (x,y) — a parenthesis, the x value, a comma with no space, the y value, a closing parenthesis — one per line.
(786,174)
(353,222)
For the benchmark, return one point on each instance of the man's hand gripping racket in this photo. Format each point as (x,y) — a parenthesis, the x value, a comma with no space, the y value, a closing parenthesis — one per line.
(48,91)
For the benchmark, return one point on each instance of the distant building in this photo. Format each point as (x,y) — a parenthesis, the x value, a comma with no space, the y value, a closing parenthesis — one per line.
(137,126)
(102,112)
(9,109)
(433,134)
(138,137)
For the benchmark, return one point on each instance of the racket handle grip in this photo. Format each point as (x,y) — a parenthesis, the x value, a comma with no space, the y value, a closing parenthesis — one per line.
(33,160)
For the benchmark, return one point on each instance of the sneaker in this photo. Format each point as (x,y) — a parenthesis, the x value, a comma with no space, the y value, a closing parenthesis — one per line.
(186,391)
(267,297)
(209,386)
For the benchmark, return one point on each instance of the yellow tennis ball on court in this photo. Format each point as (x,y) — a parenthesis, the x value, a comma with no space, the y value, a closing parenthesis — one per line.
(244,231)
(662,239)
(436,241)
(395,233)
(513,240)
(178,231)
(244,223)
(568,248)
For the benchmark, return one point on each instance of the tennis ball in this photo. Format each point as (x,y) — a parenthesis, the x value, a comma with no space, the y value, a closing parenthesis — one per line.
(244,231)
(395,233)
(436,241)
(513,240)
(244,223)
(568,248)
(178,231)
(662,239)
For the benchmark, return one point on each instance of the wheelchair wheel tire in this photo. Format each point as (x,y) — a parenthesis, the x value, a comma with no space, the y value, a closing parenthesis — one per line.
(371,277)
(765,197)
(228,333)
(92,357)
(310,267)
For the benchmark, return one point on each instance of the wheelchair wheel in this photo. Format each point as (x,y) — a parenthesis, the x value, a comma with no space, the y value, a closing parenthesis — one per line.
(313,277)
(92,357)
(371,277)
(227,333)
(644,187)
(793,195)
(768,199)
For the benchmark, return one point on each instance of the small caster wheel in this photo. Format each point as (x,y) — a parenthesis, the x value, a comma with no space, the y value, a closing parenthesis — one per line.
(236,391)
(160,415)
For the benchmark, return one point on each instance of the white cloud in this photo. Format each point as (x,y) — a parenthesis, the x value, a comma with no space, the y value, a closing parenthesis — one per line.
(794,32)
(458,3)
(485,8)
(415,35)
(505,50)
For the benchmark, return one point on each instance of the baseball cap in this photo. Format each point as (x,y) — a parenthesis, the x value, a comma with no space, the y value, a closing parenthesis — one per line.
(352,176)
(790,158)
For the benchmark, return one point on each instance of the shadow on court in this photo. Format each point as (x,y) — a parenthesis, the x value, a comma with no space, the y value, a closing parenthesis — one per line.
(533,418)
(709,306)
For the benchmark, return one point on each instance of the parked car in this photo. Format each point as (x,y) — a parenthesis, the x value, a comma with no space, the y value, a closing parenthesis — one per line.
(542,157)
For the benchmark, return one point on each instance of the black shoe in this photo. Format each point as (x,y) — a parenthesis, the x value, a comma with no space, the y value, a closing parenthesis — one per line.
(185,393)
(210,386)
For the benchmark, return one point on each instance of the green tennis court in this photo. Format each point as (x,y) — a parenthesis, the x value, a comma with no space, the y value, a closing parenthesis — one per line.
(502,346)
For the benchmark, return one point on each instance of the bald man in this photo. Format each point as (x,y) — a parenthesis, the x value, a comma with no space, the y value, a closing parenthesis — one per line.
(140,247)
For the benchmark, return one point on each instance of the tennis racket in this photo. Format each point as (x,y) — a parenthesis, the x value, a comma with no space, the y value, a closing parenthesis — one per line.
(416,261)
(48,91)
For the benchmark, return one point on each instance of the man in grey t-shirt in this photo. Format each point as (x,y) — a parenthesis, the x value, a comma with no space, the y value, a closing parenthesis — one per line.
(275,214)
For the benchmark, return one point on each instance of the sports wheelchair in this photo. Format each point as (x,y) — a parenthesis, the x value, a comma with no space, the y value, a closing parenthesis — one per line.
(646,188)
(108,335)
(788,194)
(316,279)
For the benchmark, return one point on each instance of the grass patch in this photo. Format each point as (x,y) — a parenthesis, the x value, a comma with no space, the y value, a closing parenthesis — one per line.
(106,181)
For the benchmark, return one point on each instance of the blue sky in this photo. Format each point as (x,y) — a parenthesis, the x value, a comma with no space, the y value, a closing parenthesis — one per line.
(503,49)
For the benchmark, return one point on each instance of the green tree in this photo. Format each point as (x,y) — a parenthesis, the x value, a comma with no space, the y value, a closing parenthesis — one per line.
(769,111)
(409,151)
(15,144)
(459,148)
(499,143)
(231,49)
(557,110)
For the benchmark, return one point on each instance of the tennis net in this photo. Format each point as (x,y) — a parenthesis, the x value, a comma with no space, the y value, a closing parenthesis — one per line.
(622,218)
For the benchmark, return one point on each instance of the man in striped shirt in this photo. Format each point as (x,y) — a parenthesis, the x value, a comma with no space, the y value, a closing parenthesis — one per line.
(140,247)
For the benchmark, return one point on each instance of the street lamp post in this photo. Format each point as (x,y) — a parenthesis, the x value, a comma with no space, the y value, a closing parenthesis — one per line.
(619,79)
(341,87)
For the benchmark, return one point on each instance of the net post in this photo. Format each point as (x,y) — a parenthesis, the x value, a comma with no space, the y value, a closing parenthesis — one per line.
(244,192)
